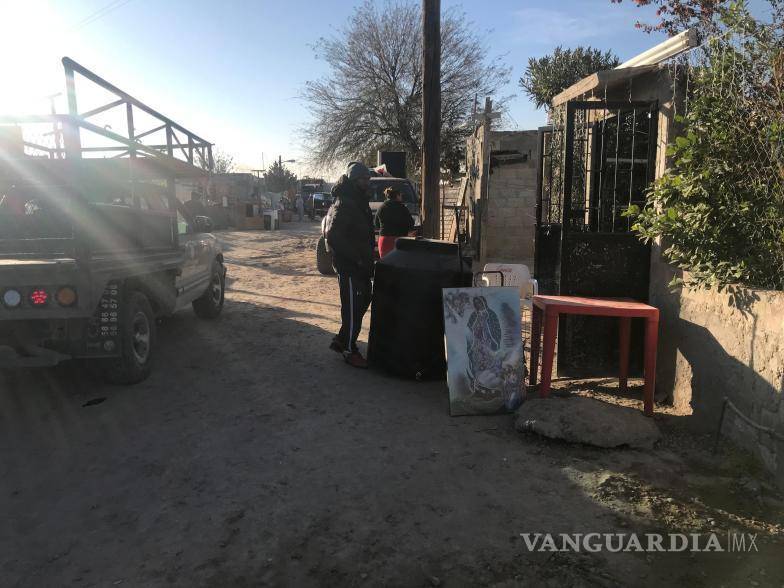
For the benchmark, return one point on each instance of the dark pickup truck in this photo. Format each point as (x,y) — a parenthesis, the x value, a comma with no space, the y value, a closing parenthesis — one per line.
(93,250)
(88,279)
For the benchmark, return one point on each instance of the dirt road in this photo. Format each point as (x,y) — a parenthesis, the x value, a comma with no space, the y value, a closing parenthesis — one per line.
(254,456)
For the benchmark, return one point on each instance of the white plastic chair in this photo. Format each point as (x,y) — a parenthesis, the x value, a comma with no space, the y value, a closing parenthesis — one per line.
(511,274)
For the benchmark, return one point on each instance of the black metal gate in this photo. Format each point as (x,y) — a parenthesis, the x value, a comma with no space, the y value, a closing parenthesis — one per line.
(598,159)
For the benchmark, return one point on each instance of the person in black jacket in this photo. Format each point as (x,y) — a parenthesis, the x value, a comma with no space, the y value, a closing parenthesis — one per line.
(350,238)
(393,221)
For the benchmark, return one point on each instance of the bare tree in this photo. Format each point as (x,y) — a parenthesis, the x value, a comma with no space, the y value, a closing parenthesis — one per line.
(372,97)
(223,163)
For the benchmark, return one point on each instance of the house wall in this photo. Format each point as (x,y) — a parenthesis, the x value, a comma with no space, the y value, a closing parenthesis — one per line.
(235,187)
(729,344)
(509,220)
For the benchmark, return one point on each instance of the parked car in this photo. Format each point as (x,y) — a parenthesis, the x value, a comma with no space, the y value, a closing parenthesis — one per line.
(406,188)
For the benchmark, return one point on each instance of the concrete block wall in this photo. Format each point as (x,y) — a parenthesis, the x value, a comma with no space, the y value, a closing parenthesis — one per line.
(724,344)
(508,228)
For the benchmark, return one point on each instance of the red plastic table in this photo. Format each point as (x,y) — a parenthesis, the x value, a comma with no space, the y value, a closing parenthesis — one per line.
(547,309)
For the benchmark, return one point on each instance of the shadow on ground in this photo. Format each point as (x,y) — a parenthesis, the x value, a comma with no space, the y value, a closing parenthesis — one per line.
(254,456)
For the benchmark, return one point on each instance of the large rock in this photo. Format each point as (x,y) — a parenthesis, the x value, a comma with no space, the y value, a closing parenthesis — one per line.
(585,420)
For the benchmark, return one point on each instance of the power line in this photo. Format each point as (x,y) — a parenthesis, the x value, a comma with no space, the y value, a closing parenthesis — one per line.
(99,14)
(96,14)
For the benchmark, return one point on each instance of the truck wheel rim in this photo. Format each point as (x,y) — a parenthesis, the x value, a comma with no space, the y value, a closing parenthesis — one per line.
(141,337)
(217,288)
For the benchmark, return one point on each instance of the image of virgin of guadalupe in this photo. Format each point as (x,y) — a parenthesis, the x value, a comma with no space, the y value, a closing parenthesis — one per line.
(492,350)
(485,330)
(484,349)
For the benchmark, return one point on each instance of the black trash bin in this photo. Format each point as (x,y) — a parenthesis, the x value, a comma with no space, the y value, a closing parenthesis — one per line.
(407,317)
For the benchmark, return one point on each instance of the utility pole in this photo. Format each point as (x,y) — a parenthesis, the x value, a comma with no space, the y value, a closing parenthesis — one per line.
(431,117)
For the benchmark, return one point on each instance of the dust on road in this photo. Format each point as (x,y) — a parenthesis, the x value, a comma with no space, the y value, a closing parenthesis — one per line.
(254,456)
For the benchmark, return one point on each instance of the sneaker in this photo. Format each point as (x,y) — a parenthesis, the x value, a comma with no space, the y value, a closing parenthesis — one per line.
(337,346)
(355,359)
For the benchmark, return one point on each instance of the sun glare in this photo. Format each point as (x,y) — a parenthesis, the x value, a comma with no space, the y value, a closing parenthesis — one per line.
(34,40)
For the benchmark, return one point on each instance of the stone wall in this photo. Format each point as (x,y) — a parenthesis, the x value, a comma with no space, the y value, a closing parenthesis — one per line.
(724,344)
(509,222)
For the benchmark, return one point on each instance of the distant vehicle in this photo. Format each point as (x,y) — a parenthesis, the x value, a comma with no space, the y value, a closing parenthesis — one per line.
(320,204)
(93,250)
(377,187)
(307,187)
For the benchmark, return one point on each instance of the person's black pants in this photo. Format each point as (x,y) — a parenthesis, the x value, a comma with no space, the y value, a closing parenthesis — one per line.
(355,295)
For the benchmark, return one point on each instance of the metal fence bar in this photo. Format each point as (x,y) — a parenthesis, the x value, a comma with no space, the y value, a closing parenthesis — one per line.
(568,176)
(615,170)
(631,167)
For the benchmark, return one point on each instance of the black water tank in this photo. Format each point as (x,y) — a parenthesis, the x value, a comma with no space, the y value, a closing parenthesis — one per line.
(407,318)
(396,162)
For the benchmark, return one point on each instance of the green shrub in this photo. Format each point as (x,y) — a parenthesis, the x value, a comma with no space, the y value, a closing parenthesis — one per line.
(719,209)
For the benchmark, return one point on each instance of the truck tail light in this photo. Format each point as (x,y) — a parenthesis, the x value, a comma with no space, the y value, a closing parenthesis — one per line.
(39,297)
(12,298)
(66,296)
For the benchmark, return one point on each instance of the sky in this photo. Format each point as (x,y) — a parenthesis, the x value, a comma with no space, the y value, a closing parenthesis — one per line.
(234,71)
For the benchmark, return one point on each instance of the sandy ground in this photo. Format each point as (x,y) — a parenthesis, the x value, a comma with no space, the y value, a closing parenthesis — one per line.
(253,456)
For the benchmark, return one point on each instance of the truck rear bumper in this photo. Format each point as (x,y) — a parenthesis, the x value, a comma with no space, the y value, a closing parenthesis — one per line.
(33,343)
(43,343)
(29,356)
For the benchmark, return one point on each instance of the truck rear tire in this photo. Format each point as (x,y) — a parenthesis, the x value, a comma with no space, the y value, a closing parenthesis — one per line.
(137,328)
(324,258)
(210,304)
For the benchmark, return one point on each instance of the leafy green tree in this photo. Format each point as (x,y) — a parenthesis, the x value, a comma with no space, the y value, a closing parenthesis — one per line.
(223,163)
(278,178)
(545,77)
(719,209)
